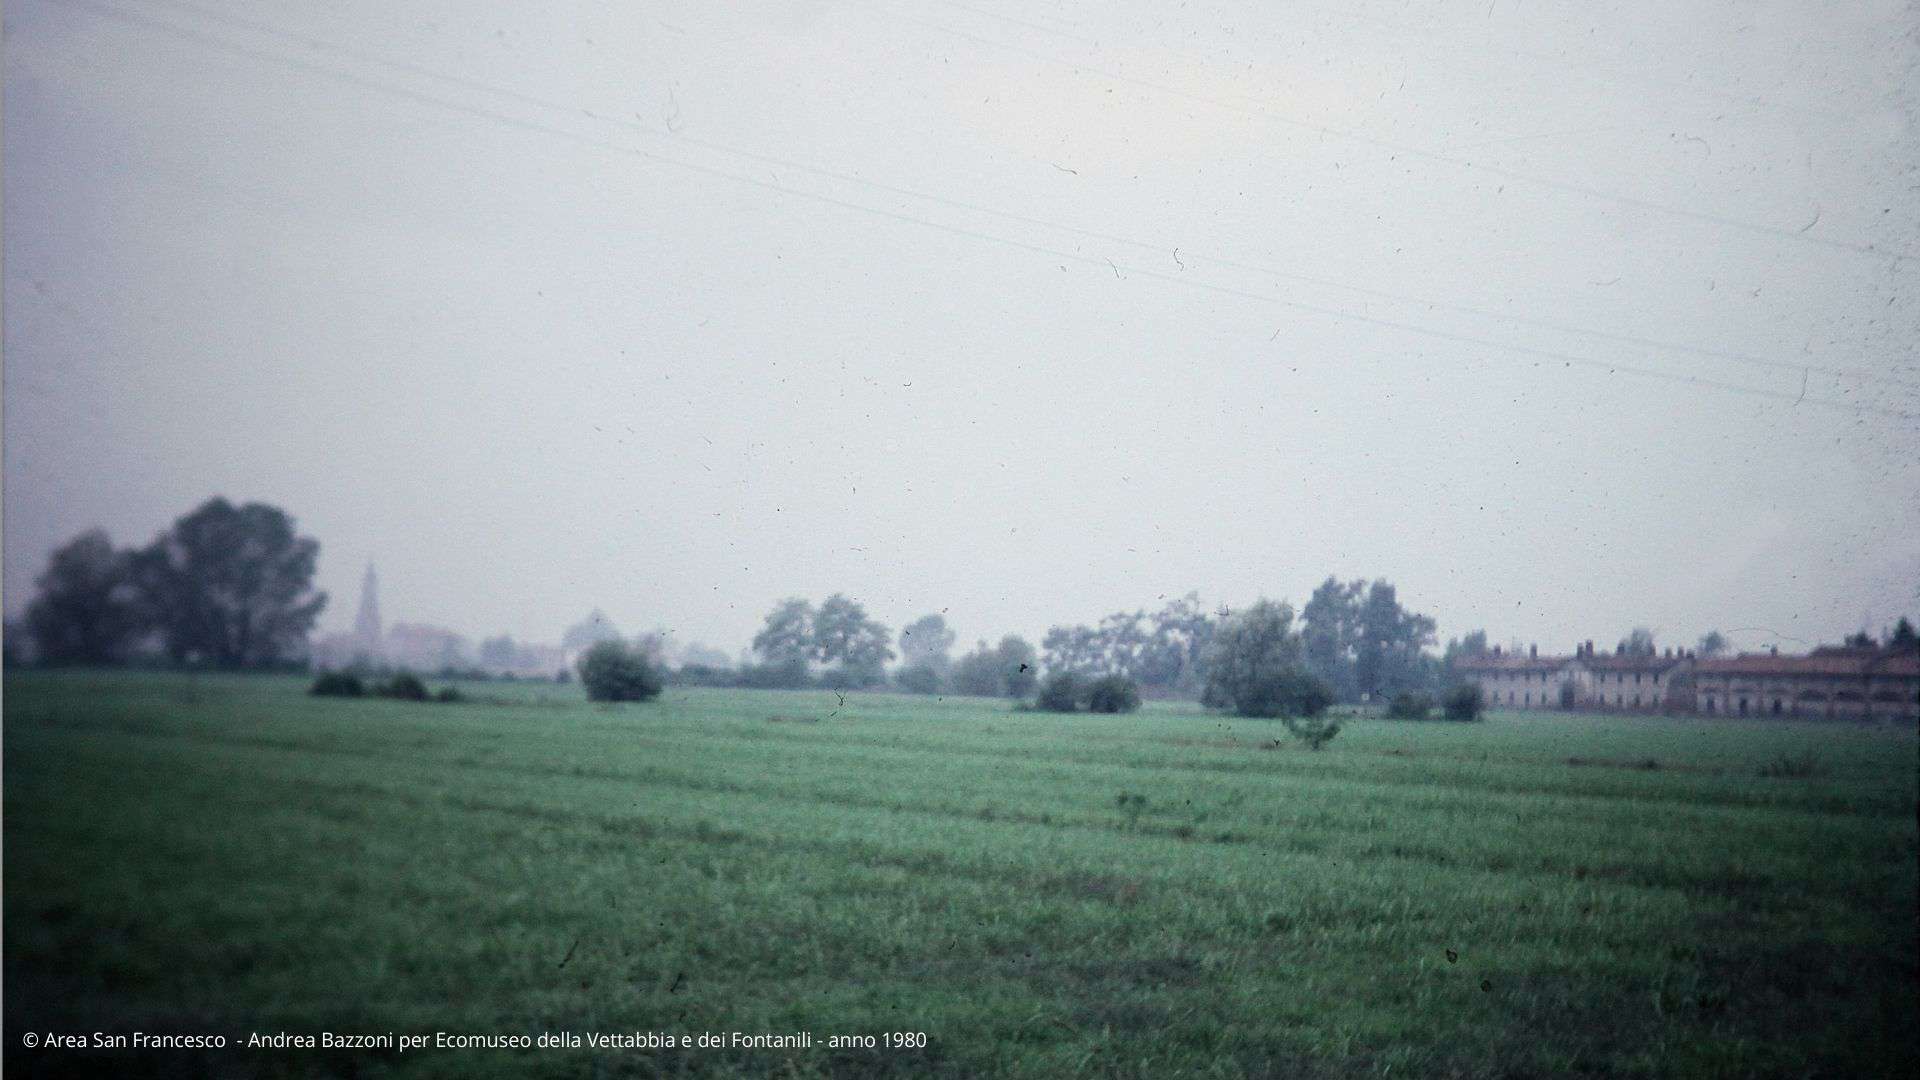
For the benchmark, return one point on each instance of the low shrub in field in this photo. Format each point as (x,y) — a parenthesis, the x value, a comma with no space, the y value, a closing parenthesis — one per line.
(405,686)
(449,696)
(1316,731)
(1112,694)
(1463,702)
(337,684)
(1062,691)
(1409,706)
(615,671)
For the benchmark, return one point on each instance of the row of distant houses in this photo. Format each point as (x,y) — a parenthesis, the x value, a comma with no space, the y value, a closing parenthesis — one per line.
(1831,682)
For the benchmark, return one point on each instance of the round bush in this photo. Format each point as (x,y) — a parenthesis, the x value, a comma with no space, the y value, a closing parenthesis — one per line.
(615,671)
(1061,691)
(405,686)
(1463,702)
(1113,694)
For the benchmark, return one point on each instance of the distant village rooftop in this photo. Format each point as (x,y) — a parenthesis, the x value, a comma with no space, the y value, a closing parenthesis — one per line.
(1861,682)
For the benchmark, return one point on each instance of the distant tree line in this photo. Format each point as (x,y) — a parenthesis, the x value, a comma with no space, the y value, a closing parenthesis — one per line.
(231,586)
(1164,652)
(1354,637)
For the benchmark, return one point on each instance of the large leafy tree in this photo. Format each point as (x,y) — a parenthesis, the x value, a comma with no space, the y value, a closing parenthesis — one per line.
(926,642)
(1074,648)
(1389,651)
(845,638)
(231,586)
(1256,666)
(978,673)
(786,639)
(88,610)
(1010,669)
(1123,640)
(1174,659)
(1712,643)
(1330,633)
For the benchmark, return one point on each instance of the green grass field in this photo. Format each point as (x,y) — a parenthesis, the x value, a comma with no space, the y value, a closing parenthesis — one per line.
(1533,895)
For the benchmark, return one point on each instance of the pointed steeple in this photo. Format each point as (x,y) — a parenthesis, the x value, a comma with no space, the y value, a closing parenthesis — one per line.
(366,626)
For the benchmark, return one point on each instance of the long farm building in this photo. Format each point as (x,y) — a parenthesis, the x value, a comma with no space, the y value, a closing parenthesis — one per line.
(1830,683)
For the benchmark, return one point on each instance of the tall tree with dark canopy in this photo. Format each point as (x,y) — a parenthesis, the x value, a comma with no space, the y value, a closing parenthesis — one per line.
(231,586)
(927,641)
(924,660)
(1256,670)
(1388,651)
(88,610)
(845,638)
(1330,634)
(1174,659)
(787,635)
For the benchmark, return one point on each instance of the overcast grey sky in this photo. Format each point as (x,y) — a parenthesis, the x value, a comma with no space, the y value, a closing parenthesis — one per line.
(1565,316)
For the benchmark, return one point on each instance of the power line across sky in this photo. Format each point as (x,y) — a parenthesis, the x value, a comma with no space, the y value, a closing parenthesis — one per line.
(1534,355)
(1267,112)
(1164,251)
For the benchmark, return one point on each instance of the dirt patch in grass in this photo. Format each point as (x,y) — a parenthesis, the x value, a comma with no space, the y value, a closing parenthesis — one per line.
(1113,890)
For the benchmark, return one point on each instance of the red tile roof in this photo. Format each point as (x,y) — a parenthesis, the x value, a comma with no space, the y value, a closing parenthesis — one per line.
(1622,662)
(1511,662)
(1855,662)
